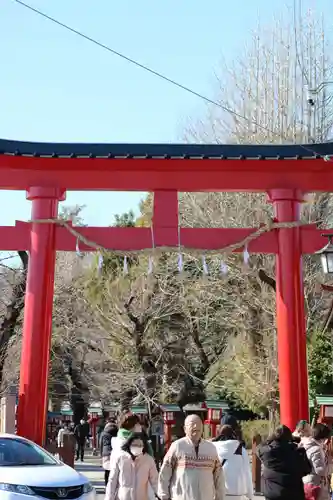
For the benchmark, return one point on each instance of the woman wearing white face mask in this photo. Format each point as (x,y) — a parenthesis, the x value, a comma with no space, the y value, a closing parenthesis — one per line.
(132,470)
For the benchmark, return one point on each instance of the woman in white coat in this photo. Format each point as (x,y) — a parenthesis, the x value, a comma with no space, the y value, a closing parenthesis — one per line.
(236,466)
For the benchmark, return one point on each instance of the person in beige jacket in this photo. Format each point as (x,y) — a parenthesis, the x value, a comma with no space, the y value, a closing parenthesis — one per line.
(191,468)
(132,471)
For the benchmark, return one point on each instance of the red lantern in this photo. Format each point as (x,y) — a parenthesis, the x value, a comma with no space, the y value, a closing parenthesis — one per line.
(214,415)
(213,419)
(169,421)
(93,428)
(169,417)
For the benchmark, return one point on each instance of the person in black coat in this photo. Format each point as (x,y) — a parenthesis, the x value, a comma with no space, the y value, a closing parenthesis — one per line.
(284,466)
(110,431)
(81,433)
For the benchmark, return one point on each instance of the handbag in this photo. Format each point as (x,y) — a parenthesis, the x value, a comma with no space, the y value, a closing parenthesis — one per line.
(311,491)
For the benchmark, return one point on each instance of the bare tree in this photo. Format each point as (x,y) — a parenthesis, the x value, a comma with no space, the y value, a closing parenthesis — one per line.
(162,328)
(267,86)
(13,285)
(74,352)
(169,334)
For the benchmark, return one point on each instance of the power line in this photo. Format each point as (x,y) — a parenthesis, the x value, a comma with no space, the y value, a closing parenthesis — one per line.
(128,59)
(142,66)
(152,71)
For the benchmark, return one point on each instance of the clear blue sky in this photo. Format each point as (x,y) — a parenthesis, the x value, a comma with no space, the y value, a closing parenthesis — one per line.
(55,86)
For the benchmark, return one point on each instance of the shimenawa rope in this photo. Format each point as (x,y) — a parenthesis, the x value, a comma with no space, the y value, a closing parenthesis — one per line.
(269,226)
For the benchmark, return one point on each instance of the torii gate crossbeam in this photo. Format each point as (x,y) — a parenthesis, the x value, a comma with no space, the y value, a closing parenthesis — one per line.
(46,171)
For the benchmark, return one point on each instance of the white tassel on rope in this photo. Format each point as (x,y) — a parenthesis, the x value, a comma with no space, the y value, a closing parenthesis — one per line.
(223,268)
(205,266)
(246,257)
(125,267)
(100,263)
(151,260)
(77,249)
(180,255)
(180,263)
(150,265)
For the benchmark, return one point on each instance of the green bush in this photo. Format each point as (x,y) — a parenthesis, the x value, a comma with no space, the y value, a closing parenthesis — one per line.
(252,427)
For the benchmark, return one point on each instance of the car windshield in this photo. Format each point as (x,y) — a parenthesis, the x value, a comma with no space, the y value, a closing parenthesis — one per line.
(16,452)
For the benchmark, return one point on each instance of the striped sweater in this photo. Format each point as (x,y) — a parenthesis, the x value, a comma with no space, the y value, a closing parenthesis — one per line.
(190,474)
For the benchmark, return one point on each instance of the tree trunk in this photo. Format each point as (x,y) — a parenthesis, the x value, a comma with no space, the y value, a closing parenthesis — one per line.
(79,393)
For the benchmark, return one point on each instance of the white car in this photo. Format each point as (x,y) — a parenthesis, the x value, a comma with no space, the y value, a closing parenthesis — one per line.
(28,471)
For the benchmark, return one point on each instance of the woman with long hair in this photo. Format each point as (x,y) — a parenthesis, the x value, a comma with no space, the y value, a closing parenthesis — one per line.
(235,462)
(285,464)
(132,471)
(229,419)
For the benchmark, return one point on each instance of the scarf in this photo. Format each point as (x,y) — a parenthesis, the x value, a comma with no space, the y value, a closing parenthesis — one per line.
(125,434)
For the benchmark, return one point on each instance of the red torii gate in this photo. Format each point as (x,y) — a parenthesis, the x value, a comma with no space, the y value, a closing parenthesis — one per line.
(285,172)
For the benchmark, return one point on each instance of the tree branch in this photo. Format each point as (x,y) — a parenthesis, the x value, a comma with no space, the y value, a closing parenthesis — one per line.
(267,279)
(205,364)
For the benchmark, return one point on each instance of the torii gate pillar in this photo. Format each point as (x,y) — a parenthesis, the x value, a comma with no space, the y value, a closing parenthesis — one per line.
(37,327)
(291,332)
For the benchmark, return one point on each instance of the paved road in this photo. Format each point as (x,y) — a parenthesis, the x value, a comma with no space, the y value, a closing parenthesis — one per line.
(93,470)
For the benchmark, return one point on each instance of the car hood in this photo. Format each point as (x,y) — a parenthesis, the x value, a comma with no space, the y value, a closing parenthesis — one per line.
(55,475)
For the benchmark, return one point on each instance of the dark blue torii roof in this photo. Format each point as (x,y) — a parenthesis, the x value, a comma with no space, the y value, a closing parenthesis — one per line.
(224,151)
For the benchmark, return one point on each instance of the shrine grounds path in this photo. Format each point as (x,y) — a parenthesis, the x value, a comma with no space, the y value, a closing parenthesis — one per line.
(92,469)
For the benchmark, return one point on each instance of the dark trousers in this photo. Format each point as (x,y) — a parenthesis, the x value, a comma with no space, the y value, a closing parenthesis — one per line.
(106,477)
(80,449)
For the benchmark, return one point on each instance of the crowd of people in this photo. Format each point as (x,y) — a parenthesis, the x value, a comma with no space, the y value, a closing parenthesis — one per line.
(193,468)
(80,432)
(296,466)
